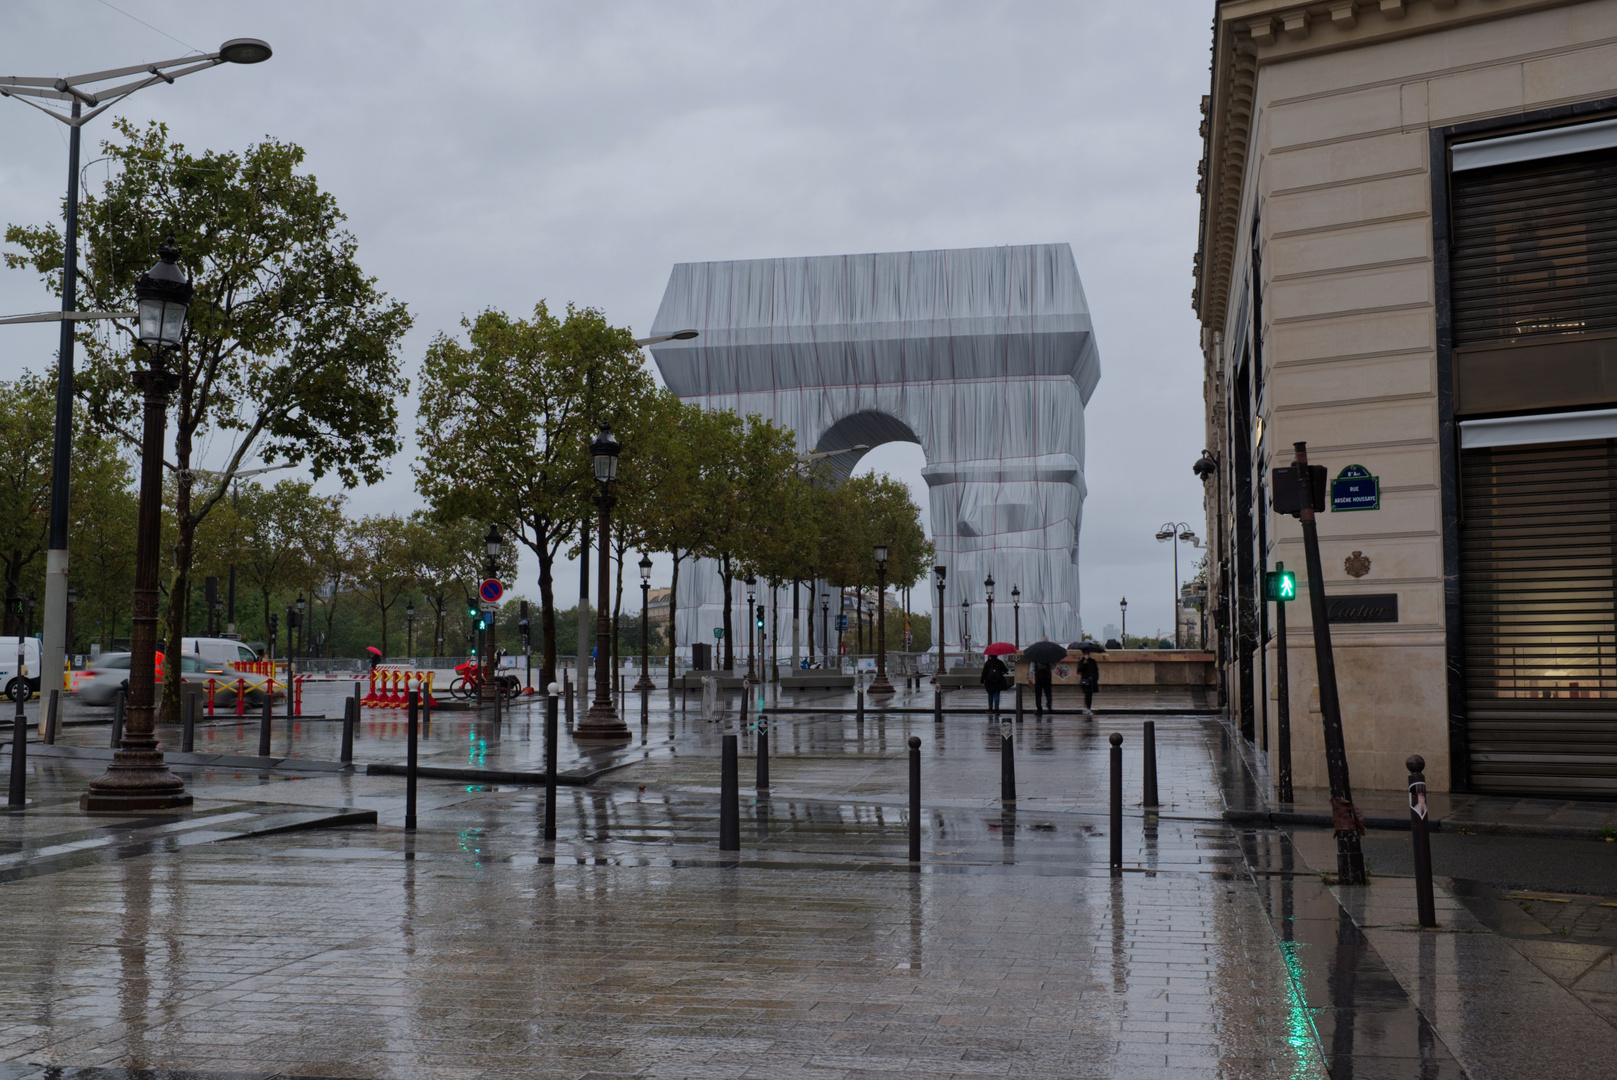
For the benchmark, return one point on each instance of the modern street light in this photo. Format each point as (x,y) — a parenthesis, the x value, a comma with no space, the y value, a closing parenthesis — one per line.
(880,685)
(1169,533)
(1016,617)
(75,93)
(488,690)
(409,628)
(645,682)
(603,722)
(942,572)
(138,778)
(1123,608)
(988,588)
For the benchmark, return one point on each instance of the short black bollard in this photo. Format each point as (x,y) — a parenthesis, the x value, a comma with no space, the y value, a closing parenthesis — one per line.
(410,764)
(120,702)
(358,705)
(53,718)
(567,690)
(188,726)
(1150,785)
(350,713)
(264,728)
(1007,766)
(550,761)
(645,706)
(499,702)
(915,799)
(1117,802)
(729,798)
(17,793)
(763,753)
(1018,703)
(937,705)
(1424,903)
(859,707)
(426,715)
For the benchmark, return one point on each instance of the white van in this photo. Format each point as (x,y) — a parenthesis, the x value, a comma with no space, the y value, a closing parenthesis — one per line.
(217,650)
(8,663)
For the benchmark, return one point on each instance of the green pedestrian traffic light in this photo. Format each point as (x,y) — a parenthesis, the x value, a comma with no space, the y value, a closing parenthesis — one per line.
(1279,585)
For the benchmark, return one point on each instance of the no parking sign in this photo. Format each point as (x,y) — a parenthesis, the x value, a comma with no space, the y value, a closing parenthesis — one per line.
(491,590)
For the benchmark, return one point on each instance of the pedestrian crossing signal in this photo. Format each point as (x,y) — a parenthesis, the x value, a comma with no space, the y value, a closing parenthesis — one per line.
(1280,585)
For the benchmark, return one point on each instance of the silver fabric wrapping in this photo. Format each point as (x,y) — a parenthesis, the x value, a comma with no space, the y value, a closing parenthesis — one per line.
(983,356)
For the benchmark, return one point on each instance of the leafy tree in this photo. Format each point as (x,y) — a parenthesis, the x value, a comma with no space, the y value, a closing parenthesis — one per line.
(102,520)
(449,562)
(290,352)
(505,425)
(268,539)
(26,423)
(385,565)
(328,556)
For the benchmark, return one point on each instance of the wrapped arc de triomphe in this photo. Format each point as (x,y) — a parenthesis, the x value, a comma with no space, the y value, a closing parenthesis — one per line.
(983,356)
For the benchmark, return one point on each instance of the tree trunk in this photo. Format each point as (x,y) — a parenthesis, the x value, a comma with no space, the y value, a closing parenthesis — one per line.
(617,612)
(547,604)
(729,629)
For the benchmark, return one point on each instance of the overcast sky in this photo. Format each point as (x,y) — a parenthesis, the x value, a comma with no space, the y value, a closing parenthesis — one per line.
(494,154)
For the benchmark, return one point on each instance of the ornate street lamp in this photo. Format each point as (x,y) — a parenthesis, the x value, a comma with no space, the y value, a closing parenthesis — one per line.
(489,690)
(645,682)
(988,589)
(1123,608)
(825,630)
(1016,617)
(965,627)
(942,572)
(138,778)
(880,685)
(602,722)
(409,628)
(752,594)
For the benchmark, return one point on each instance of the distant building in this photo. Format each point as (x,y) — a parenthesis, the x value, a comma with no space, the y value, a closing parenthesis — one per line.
(657,606)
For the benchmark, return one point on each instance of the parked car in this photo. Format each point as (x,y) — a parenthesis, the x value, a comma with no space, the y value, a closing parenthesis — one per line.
(8,663)
(101,681)
(217,651)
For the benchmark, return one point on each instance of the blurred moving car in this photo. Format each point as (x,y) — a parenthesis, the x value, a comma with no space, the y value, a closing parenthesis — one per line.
(101,681)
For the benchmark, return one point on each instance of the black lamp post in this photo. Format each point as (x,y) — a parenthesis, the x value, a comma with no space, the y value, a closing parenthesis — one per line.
(825,630)
(752,633)
(409,628)
(880,685)
(1123,608)
(492,543)
(1016,617)
(988,590)
(965,627)
(942,572)
(645,682)
(602,722)
(138,778)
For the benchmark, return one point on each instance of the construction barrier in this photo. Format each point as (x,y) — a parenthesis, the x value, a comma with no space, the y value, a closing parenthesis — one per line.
(390,688)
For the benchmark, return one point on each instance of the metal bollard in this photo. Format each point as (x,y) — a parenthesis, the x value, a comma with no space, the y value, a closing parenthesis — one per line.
(17,794)
(426,708)
(53,718)
(1117,802)
(645,706)
(729,799)
(188,726)
(937,705)
(1007,765)
(1018,703)
(1150,783)
(567,688)
(499,703)
(859,706)
(120,702)
(915,799)
(264,727)
(241,697)
(763,753)
(550,762)
(350,715)
(1424,903)
(410,765)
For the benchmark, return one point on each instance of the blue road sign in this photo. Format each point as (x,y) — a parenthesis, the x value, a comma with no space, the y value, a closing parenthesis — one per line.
(1355,489)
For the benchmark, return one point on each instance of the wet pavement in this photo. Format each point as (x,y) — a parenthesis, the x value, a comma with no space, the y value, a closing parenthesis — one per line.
(631,946)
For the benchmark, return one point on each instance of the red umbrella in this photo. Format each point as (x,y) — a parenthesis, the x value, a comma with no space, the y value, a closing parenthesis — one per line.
(999,648)
(373,650)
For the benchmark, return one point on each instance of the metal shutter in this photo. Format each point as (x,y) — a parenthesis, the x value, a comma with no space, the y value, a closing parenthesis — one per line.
(1534,253)
(1538,555)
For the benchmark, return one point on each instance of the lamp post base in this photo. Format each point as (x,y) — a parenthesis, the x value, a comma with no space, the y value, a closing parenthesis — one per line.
(880,685)
(137,780)
(601,722)
(644,684)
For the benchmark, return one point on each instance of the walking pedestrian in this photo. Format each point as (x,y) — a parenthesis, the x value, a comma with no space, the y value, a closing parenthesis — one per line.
(994,678)
(1043,688)
(1089,680)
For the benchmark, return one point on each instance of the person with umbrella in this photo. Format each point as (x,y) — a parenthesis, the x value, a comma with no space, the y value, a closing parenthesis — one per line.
(995,675)
(1089,674)
(376,655)
(1043,656)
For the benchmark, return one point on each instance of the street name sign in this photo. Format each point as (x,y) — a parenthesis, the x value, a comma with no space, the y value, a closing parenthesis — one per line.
(1355,489)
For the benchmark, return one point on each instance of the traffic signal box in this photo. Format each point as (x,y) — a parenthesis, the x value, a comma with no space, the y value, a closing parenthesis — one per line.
(1279,585)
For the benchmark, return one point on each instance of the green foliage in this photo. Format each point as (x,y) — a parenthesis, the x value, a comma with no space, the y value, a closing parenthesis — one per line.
(26,422)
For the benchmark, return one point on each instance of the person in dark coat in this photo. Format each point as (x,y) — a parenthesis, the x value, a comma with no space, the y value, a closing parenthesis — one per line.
(995,677)
(1043,689)
(1088,678)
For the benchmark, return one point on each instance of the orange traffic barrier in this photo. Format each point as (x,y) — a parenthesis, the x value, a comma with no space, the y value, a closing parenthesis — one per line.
(211,689)
(241,697)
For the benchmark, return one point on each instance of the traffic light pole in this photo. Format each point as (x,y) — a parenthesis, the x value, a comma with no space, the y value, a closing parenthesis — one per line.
(1283,689)
(1347,821)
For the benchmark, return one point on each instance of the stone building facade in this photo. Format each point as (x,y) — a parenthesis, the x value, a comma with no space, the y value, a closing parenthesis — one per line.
(1408,259)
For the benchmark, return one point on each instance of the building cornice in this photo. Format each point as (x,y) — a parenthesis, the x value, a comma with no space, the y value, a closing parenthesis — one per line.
(1247,34)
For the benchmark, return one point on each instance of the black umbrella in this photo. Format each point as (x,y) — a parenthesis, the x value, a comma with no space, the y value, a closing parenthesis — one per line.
(1088,646)
(1045,652)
